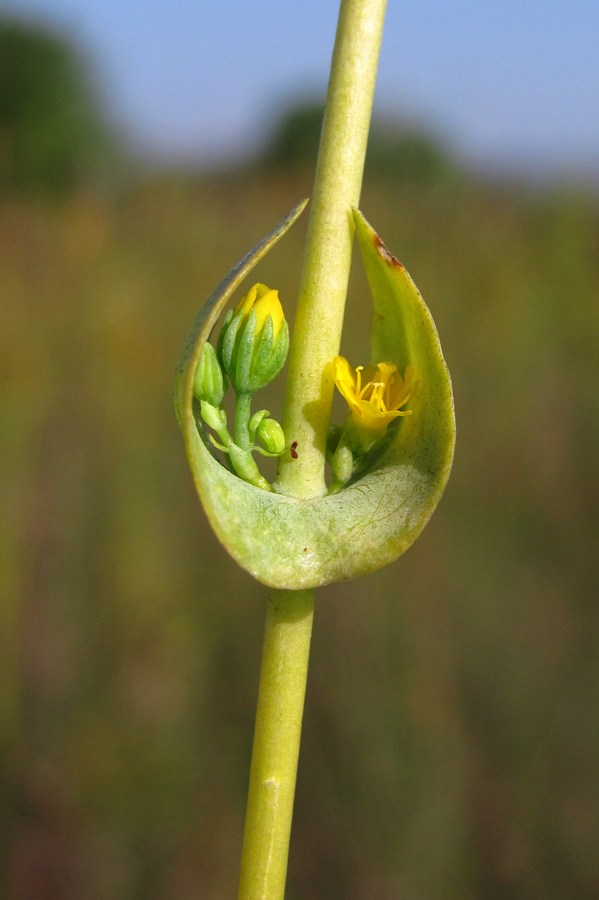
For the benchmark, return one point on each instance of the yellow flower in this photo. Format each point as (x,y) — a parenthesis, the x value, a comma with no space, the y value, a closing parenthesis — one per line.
(375,396)
(265,302)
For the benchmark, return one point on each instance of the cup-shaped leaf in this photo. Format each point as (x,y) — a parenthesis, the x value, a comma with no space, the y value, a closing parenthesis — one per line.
(296,544)
(404,333)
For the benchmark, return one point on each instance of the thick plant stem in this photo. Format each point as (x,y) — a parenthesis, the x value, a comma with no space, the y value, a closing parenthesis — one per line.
(317,330)
(316,339)
(276,745)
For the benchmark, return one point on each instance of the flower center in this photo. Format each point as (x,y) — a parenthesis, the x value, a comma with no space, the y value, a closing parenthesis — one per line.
(377,393)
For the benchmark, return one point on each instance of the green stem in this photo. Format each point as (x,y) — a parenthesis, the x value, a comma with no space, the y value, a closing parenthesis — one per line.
(316,340)
(317,330)
(276,745)
(243,405)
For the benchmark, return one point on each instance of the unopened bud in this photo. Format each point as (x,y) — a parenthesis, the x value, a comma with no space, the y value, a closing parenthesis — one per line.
(254,341)
(214,417)
(271,436)
(209,382)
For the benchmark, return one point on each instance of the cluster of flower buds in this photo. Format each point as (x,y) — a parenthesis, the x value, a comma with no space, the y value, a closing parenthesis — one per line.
(251,350)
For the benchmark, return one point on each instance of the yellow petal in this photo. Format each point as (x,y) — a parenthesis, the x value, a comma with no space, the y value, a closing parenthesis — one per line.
(265,302)
(374,394)
(269,305)
(345,379)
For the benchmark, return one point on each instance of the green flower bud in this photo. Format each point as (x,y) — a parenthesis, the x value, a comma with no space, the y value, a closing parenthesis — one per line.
(255,421)
(209,382)
(254,341)
(245,465)
(271,436)
(213,416)
(342,464)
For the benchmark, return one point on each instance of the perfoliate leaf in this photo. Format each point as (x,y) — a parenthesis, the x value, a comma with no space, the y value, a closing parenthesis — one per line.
(297,544)
(404,333)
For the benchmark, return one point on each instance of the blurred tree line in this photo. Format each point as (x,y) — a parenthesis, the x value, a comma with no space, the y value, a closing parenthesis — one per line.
(53,133)
(399,153)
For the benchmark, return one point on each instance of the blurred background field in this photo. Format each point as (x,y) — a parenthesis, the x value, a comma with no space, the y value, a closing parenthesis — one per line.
(451,732)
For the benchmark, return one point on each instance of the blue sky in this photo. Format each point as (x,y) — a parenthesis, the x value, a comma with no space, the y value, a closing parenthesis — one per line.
(506,83)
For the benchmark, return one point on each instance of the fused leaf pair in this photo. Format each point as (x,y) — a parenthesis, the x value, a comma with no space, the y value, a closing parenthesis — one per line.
(296,544)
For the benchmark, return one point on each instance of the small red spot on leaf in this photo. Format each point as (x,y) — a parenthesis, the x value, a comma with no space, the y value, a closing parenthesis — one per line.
(386,254)
(293,450)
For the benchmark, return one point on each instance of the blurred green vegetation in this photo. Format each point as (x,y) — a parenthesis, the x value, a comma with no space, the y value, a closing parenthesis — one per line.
(52,132)
(451,731)
(456,754)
